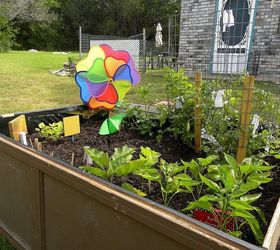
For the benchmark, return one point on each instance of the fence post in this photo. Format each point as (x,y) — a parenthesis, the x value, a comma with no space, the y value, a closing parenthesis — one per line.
(246,106)
(144,50)
(80,41)
(197,112)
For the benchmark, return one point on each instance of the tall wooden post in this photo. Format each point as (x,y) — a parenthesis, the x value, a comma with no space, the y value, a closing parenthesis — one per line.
(246,106)
(197,112)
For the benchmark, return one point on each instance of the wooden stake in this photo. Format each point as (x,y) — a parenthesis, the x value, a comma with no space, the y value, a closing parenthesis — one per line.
(72,159)
(197,112)
(31,144)
(36,143)
(40,146)
(245,110)
(52,154)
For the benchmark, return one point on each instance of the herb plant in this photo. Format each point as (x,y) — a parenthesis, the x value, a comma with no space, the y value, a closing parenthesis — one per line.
(50,132)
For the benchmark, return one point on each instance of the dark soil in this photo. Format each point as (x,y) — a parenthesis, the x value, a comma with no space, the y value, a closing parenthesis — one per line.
(170,150)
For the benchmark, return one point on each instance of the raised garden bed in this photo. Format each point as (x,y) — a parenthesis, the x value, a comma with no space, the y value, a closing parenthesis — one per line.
(66,200)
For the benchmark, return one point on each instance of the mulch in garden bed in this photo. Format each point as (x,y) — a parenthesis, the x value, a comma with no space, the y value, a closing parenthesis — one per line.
(170,149)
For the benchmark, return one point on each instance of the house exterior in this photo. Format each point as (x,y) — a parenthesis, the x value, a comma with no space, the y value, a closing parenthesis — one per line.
(230,36)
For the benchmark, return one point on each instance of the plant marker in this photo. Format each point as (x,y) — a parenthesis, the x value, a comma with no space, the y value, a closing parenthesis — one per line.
(16,126)
(31,144)
(22,138)
(72,159)
(71,126)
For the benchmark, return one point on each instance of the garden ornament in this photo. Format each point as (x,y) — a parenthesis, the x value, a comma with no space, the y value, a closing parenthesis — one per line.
(256,123)
(158,37)
(219,103)
(104,77)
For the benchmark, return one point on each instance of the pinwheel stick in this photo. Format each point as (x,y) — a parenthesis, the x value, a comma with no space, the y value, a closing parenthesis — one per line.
(108,137)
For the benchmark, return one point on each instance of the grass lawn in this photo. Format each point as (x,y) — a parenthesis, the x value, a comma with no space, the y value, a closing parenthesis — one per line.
(26,84)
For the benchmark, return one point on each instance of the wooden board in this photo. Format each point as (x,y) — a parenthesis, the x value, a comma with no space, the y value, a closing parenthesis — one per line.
(71,125)
(273,232)
(16,126)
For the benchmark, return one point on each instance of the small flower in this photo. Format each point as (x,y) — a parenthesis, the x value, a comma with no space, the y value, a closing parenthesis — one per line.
(105,76)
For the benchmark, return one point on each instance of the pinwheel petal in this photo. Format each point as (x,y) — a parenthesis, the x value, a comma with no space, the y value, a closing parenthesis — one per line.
(94,53)
(94,104)
(122,88)
(112,65)
(134,73)
(117,54)
(123,73)
(97,90)
(97,72)
(80,79)
(110,95)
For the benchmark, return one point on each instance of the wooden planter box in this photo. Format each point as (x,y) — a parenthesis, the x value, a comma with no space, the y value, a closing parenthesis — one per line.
(47,204)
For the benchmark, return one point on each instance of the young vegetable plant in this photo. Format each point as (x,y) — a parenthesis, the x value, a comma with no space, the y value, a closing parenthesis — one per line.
(120,163)
(170,178)
(50,132)
(228,199)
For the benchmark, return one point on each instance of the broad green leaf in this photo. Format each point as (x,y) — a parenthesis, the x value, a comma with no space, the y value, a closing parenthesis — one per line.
(261,214)
(255,227)
(250,198)
(121,155)
(199,205)
(193,167)
(151,174)
(226,177)
(211,184)
(129,167)
(246,169)
(149,153)
(233,163)
(242,213)
(260,178)
(235,233)
(185,180)
(238,204)
(100,158)
(132,189)
(206,161)
(95,171)
(209,197)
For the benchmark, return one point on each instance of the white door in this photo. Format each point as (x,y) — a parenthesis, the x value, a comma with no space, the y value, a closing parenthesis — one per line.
(233,35)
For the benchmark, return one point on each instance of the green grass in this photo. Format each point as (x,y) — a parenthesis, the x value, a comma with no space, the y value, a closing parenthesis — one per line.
(26,84)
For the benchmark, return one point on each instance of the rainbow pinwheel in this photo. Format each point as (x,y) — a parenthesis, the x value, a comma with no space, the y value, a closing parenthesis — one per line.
(105,76)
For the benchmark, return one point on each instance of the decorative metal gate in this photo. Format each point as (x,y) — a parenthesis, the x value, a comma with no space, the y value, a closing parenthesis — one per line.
(233,35)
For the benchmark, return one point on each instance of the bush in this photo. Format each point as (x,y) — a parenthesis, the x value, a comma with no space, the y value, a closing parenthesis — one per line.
(7,35)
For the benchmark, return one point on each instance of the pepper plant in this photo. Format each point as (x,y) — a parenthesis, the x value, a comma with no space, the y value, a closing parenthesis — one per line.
(228,197)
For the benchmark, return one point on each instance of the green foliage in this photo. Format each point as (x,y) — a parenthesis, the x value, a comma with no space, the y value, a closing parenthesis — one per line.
(7,35)
(228,196)
(120,163)
(50,132)
(132,189)
(170,178)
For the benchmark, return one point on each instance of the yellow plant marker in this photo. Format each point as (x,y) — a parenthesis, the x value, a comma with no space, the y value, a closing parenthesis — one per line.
(71,125)
(16,126)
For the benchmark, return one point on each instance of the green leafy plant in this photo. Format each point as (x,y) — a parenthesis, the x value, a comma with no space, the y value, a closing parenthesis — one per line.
(52,131)
(228,197)
(199,167)
(170,179)
(120,163)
